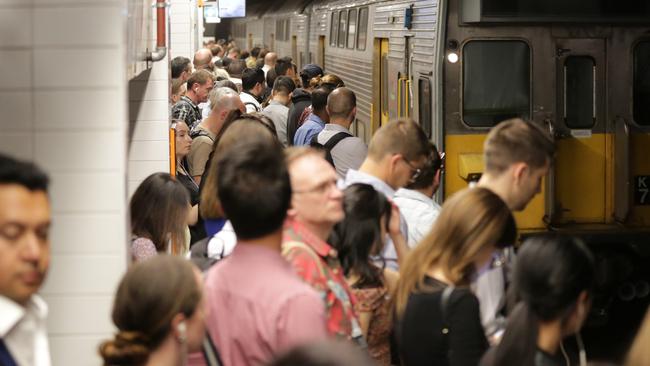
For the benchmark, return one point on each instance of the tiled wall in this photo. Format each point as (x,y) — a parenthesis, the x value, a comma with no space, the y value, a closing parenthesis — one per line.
(148,124)
(182,14)
(66,104)
(63,101)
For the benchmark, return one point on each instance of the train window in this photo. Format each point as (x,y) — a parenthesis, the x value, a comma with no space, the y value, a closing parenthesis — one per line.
(642,84)
(343,20)
(279,30)
(334,28)
(352,27)
(282,30)
(579,84)
(496,82)
(362,29)
(424,105)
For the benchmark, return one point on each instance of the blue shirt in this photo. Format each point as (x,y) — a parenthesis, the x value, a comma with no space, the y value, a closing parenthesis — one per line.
(312,127)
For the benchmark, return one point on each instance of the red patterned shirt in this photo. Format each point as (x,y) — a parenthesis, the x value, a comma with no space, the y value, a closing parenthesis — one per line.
(316,262)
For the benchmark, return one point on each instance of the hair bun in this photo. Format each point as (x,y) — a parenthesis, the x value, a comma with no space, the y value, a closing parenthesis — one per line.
(315,81)
(128,348)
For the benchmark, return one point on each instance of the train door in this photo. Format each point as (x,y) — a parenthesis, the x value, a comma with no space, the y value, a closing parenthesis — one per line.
(294,51)
(380,84)
(321,51)
(580,180)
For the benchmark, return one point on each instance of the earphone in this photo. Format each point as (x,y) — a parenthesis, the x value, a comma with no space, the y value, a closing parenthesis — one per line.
(182,331)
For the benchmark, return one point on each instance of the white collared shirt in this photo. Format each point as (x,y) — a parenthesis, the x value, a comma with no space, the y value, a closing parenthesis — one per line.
(266,69)
(419,211)
(23,330)
(251,104)
(389,253)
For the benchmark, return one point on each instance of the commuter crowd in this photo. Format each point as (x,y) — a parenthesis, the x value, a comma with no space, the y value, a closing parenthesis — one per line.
(283,239)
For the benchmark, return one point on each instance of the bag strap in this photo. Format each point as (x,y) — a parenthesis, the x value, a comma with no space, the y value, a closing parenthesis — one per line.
(334,140)
(197,133)
(253,104)
(210,351)
(329,145)
(444,314)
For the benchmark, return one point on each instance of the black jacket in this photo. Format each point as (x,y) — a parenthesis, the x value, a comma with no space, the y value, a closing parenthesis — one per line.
(301,99)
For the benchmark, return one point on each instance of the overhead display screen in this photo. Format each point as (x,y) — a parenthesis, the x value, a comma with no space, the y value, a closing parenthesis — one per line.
(232,8)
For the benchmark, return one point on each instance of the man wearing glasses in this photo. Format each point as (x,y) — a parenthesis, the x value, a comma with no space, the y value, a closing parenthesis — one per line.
(415,201)
(397,154)
(316,206)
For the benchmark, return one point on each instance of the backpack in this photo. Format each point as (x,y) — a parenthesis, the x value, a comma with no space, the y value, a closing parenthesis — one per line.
(329,145)
(200,132)
(199,254)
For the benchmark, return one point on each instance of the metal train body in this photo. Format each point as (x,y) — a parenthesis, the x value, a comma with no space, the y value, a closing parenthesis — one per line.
(587,81)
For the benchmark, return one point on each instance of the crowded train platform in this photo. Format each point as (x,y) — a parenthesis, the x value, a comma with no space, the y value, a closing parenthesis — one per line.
(325,182)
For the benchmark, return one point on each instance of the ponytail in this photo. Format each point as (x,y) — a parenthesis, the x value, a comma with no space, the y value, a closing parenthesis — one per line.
(314,82)
(519,343)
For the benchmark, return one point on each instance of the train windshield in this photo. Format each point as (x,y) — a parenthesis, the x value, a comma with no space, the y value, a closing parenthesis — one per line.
(496,82)
(642,84)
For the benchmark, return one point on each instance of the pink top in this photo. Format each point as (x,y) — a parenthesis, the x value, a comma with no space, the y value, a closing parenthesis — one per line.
(142,248)
(258,307)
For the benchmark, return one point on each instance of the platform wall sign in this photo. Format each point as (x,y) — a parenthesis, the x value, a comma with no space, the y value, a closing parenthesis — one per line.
(642,189)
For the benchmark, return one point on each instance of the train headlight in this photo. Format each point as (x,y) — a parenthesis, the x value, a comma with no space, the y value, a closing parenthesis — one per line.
(452,57)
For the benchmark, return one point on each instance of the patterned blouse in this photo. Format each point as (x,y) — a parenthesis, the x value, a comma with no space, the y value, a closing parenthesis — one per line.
(142,248)
(376,301)
(317,264)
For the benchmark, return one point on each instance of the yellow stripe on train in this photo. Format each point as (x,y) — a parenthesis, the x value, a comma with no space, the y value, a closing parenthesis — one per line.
(584,181)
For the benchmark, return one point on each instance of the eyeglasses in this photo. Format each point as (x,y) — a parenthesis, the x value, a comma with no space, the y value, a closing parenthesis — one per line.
(325,187)
(416,171)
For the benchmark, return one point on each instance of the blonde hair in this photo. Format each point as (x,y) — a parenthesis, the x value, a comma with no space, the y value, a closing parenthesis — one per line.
(331,80)
(293,153)
(516,140)
(402,136)
(639,353)
(470,221)
(314,82)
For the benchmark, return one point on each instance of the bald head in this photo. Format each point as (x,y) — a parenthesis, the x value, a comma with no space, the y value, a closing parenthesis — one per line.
(202,58)
(270,59)
(341,105)
(225,99)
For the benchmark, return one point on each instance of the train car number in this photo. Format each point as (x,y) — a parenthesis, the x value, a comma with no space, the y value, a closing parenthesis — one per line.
(642,189)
